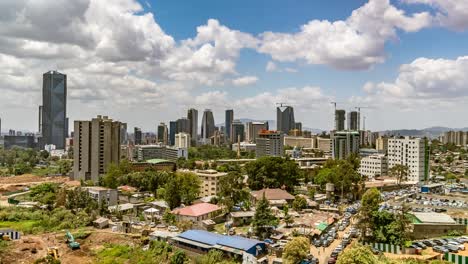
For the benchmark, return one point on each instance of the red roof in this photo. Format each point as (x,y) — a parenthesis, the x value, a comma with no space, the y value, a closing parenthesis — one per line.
(197,209)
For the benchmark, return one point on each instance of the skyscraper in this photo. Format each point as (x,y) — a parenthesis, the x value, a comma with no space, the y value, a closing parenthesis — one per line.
(172,132)
(192,115)
(353,121)
(54,109)
(285,119)
(237,130)
(344,143)
(123,134)
(253,129)
(340,120)
(163,136)
(137,136)
(183,125)
(208,125)
(227,124)
(97,145)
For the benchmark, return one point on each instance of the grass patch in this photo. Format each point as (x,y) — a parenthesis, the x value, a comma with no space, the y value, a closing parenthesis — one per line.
(43,171)
(25,226)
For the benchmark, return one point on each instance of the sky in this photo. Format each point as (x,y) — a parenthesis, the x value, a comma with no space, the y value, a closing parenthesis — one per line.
(405,62)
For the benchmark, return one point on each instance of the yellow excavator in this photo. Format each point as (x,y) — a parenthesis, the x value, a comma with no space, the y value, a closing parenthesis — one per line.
(53,252)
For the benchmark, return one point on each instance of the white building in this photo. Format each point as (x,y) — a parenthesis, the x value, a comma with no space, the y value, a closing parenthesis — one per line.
(373,166)
(182,140)
(410,152)
(244,146)
(270,143)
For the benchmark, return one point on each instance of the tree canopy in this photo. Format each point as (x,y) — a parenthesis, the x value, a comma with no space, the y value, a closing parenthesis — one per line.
(296,250)
(264,220)
(273,172)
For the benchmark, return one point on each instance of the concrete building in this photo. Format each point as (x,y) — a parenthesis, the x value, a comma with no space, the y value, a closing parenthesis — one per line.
(137,136)
(411,152)
(237,131)
(353,121)
(148,152)
(182,140)
(298,126)
(96,146)
(217,139)
(172,132)
(192,116)
(381,144)
(163,134)
(340,117)
(459,138)
(373,166)
(208,126)
(301,142)
(103,195)
(210,182)
(324,144)
(285,119)
(229,118)
(197,213)
(244,146)
(270,143)
(344,143)
(54,109)
(23,141)
(252,130)
(123,134)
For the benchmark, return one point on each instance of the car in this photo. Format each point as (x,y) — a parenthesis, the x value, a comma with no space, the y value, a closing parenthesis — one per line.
(341,227)
(331,260)
(317,243)
(440,249)
(420,244)
(282,242)
(460,246)
(173,229)
(376,251)
(451,248)
(439,242)
(427,243)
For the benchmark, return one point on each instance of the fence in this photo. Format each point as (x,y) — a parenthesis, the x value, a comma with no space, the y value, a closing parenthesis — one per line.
(457,259)
(461,221)
(386,247)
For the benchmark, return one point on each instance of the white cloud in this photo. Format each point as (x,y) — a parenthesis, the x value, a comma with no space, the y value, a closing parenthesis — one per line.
(450,13)
(271,67)
(244,81)
(355,43)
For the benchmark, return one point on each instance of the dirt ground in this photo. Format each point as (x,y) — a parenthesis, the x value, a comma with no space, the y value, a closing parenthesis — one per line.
(32,247)
(16,183)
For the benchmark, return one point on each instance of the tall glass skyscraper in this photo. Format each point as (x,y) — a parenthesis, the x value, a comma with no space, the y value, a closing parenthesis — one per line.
(228,123)
(208,125)
(192,115)
(285,119)
(54,109)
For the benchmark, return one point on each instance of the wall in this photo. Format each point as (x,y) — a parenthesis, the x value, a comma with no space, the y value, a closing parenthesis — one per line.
(421,231)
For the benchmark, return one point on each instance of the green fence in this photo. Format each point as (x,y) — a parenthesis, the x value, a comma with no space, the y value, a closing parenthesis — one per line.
(457,259)
(461,221)
(386,247)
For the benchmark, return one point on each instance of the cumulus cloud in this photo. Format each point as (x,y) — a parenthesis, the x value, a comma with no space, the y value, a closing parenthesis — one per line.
(449,13)
(353,44)
(246,80)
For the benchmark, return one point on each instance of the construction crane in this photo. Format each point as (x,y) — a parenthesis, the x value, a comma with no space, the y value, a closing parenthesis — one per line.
(71,241)
(281,104)
(359,116)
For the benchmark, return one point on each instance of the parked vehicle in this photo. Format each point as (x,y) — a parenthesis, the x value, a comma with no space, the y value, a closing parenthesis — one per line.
(440,249)
(451,248)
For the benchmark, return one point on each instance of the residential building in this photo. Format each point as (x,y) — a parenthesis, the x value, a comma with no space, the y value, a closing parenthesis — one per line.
(148,152)
(324,144)
(340,117)
(459,138)
(301,142)
(210,182)
(244,146)
(138,136)
(163,134)
(381,144)
(285,119)
(217,139)
(208,126)
(276,197)
(295,133)
(155,164)
(182,140)
(373,166)
(410,152)
(54,109)
(123,134)
(353,120)
(270,143)
(228,125)
(252,130)
(96,146)
(192,116)
(23,141)
(197,213)
(237,131)
(103,195)
(172,132)
(344,143)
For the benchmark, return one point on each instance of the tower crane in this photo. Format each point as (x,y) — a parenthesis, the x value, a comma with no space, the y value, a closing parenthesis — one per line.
(359,116)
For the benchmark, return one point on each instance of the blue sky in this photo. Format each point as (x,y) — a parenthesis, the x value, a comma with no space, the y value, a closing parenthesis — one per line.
(149,61)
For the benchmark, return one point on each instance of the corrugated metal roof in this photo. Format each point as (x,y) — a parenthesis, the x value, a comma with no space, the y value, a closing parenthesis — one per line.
(434,218)
(213,239)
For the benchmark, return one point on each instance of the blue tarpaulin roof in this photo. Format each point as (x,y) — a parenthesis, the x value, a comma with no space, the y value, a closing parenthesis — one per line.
(209,238)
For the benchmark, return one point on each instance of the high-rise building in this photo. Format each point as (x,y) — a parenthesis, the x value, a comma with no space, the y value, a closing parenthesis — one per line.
(373,166)
(182,140)
(138,136)
(123,134)
(270,143)
(459,138)
(344,143)
(54,109)
(237,131)
(353,121)
(19,141)
(192,115)
(381,144)
(172,131)
(285,119)
(298,126)
(410,152)
(208,126)
(228,124)
(340,120)
(163,135)
(183,125)
(252,130)
(96,146)
(40,119)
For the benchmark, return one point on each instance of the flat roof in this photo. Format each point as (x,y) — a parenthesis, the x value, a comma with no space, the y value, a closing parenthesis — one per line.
(156,161)
(437,218)
(208,238)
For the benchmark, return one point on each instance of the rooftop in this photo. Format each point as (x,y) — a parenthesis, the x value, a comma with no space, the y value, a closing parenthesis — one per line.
(436,218)
(197,209)
(213,239)
(273,194)
(156,161)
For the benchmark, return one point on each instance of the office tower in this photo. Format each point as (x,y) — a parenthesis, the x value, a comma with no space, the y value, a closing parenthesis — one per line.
(285,119)
(411,152)
(123,134)
(138,136)
(252,130)
(353,120)
(163,135)
(182,140)
(183,125)
(192,115)
(228,123)
(340,120)
(172,132)
(270,143)
(237,129)
(40,119)
(19,141)
(96,146)
(54,109)
(298,126)
(344,143)
(208,126)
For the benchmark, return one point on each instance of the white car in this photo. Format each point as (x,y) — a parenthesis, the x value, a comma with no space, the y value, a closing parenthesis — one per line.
(460,246)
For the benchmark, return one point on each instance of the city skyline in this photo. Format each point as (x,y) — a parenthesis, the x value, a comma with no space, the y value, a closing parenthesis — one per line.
(214,60)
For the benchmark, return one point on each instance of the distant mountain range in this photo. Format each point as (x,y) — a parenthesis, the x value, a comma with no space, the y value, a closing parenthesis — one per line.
(431,132)
(272,125)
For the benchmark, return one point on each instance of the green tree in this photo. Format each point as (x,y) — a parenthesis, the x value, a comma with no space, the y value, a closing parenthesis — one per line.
(264,221)
(168,217)
(369,205)
(112,176)
(299,203)
(296,250)
(400,173)
(273,172)
(179,257)
(231,190)
(213,257)
(78,199)
(64,166)
(45,193)
(172,194)
(288,219)
(400,227)
(357,254)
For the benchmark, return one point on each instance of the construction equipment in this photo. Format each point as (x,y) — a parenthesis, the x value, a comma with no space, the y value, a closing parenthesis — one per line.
(53,252)
(359,115)
(71,241)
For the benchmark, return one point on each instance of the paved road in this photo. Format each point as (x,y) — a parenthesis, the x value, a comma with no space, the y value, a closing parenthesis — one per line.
(323,254)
